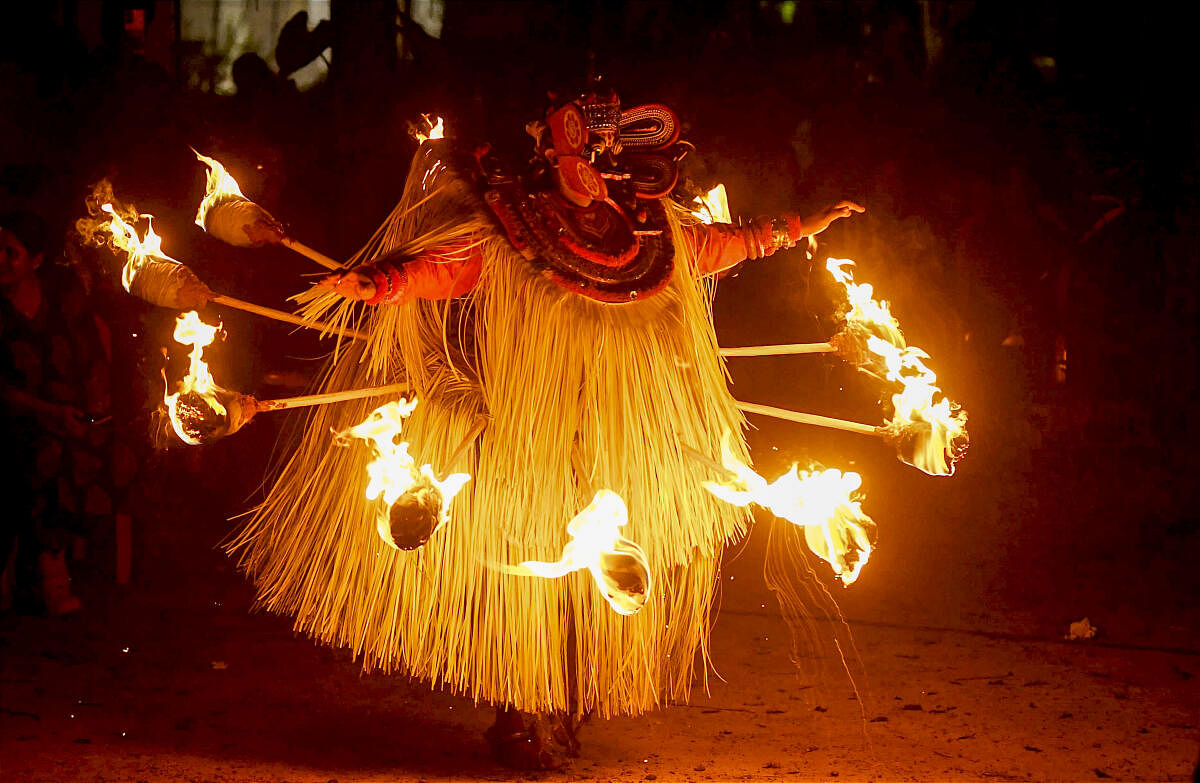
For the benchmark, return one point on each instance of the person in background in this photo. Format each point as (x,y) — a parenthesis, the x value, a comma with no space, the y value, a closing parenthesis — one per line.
(54,391)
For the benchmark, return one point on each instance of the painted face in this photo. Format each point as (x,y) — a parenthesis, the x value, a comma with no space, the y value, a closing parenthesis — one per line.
(15,262)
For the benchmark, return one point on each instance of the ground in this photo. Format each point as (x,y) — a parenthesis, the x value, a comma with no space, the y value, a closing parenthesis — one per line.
(953,636)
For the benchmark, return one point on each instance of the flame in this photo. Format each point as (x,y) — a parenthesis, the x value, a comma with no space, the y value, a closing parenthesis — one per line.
(937,430)
(220,186)
(394,471)
(202,392)
(865,312)
(617,565)
(712,207)
(436,130)
(824,503)
(111,223)
(932,434)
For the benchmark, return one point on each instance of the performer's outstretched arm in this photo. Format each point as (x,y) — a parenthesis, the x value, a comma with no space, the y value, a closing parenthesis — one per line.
(443,273)
(719,246)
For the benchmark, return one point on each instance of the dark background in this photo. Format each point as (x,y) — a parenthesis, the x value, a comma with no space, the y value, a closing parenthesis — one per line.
(1029,173)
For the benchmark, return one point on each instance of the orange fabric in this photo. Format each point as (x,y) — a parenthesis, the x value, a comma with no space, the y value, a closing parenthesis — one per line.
(716,247)
(438,277)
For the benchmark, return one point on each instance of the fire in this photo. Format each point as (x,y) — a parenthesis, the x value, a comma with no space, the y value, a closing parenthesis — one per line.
(113,224)
(221,186)
(713,207)
(930,435)
(824,503)
(617,565)
(197,401)
(865,312)
(415,502)
(436,130)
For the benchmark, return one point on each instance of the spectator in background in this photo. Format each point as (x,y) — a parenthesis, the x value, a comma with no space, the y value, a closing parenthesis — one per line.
(54,388)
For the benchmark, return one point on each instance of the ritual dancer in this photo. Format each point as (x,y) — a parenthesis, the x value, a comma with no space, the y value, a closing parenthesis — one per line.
(567,303)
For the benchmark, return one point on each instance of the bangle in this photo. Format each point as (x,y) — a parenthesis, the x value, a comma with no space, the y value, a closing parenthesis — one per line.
(382,288)
(397,283)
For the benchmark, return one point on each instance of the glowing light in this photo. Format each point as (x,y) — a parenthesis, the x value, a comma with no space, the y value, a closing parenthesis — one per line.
(824,503)
(415,503)
(713,207)
(618,566)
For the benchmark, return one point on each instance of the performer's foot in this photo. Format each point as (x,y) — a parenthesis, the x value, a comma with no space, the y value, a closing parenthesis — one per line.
(523,740)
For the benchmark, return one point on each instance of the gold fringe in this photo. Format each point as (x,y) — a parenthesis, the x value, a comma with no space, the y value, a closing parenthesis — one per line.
(624,386)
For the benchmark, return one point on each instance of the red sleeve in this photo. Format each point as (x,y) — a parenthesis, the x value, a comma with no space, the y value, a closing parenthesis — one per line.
(716,247)
(719,246)
(443,273)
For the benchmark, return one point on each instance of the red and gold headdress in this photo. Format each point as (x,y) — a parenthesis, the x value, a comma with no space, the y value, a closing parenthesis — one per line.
(587,215)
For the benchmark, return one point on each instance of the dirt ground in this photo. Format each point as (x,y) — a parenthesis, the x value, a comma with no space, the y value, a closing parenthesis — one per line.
(953,637)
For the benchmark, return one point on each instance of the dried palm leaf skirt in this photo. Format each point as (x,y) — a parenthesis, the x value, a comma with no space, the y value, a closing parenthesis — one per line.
(580,396)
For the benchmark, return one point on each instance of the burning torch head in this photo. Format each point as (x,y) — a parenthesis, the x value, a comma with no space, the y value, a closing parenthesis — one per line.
(932,447)
(415,515)
(625,577)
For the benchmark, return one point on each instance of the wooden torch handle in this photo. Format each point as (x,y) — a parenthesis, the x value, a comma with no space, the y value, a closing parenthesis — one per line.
(280,315)
(811,418)
(778,350)
(308,252)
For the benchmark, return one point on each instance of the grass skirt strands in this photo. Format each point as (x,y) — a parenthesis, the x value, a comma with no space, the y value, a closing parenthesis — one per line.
(615,389)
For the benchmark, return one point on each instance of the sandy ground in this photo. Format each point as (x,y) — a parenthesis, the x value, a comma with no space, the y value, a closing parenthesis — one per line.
(954,640)
(198,689)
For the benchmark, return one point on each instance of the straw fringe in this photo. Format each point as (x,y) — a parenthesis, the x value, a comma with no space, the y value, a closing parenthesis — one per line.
(622,386)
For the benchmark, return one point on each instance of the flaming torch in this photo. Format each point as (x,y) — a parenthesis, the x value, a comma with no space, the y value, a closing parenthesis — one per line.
(822,502)
(617,565)
(152,275)
(929,433)
(232,218)
(415,502)
(431,132)
(200,410)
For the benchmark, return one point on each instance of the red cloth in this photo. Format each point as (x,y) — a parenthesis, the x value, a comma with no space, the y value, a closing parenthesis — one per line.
(453,271)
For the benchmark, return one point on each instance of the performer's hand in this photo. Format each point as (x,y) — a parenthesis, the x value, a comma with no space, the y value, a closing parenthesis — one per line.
(815,224)
(353,285)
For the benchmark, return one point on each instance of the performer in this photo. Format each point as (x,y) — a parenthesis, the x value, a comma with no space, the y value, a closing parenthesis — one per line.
(569,302)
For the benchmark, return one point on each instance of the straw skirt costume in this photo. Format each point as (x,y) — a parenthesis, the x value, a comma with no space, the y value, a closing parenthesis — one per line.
(584,387)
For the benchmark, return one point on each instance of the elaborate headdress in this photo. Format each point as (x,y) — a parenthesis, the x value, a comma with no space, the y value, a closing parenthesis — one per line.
(587,214)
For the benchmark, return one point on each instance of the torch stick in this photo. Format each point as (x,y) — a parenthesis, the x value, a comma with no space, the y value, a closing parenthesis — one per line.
(308,252)
(811,418)
(481,422)
(778,350)
(306,400)
(706,460)
(280,315)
